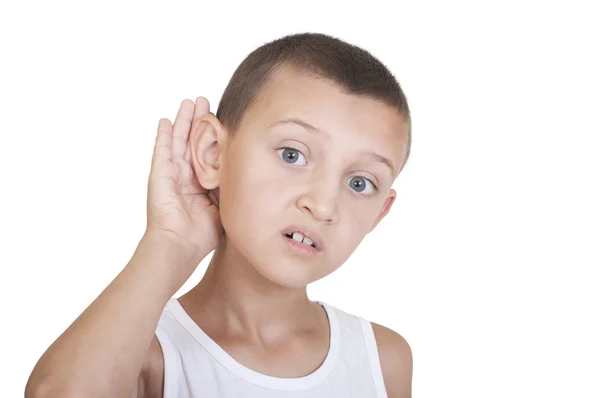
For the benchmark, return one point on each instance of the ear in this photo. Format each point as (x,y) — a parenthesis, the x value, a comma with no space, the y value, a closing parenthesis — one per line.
(387,205)
(208,140)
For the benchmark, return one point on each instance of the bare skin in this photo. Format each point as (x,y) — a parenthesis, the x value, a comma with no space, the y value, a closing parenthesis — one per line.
(197,171)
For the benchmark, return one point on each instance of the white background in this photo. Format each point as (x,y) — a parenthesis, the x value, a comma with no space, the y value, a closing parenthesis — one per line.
(488,262)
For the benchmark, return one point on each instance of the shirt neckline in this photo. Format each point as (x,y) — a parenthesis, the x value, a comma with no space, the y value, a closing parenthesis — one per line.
(252,376)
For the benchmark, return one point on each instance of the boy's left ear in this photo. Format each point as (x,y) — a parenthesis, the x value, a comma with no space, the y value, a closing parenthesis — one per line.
(387,205)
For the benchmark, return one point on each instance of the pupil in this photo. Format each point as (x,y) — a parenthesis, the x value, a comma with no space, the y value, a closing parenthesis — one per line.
(290,154)
(358,183)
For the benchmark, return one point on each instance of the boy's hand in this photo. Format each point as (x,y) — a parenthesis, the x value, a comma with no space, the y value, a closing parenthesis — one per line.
(178,207)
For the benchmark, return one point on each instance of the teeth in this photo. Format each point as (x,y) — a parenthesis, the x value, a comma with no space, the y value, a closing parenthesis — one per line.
(297,236)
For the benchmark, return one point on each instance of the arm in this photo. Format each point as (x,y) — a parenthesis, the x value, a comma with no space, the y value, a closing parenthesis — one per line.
(103,351)
(110,350)
(396,360)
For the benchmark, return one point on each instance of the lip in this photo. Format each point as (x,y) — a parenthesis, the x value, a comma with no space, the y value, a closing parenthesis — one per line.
(299,248)
(309,233)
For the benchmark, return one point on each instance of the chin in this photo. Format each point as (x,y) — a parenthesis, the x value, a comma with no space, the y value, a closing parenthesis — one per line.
(285,273)
(274,261)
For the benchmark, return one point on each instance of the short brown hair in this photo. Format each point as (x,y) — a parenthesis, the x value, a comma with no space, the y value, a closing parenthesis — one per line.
(350,67)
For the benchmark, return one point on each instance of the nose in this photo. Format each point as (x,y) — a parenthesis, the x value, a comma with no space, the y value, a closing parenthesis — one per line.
(320,200)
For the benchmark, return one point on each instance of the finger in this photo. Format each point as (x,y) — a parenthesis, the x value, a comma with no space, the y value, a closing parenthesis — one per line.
(163,144)
(181,128)
(202,109)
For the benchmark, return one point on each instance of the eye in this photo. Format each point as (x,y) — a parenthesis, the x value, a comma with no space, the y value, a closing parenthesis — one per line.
(291,156)
(362,185)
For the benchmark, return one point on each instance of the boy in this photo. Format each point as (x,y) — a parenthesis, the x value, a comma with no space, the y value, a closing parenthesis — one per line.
(283,183)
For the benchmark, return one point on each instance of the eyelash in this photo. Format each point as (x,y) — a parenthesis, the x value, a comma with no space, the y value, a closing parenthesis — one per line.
(282,149)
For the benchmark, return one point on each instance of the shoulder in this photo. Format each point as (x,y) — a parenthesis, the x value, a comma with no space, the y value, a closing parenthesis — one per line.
(395,356)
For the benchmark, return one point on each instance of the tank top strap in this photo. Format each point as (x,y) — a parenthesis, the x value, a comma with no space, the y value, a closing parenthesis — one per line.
(359,344)
(373,354)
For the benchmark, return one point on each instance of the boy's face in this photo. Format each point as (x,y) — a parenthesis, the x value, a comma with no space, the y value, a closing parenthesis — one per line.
(275,175)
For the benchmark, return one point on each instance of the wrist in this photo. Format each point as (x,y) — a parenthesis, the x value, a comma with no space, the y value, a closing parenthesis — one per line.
(166,258)
(175,243)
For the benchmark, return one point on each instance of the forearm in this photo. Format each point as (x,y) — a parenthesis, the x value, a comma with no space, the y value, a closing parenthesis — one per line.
(102,352)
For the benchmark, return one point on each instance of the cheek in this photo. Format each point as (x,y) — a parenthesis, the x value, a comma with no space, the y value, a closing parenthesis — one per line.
(261,185)
(355,222)
(249,194)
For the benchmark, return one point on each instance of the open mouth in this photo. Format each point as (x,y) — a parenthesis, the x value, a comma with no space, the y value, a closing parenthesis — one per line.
(297,236)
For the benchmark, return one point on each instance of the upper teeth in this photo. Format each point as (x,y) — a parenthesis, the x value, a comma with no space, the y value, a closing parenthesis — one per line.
(301,238)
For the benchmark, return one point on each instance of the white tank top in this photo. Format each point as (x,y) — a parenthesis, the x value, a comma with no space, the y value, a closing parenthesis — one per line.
(196,366)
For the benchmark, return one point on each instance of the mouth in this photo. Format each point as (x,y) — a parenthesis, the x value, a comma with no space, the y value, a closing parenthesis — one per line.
(300,238)
(304,236)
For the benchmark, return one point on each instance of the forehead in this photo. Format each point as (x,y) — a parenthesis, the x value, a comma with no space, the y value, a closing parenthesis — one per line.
(358,121)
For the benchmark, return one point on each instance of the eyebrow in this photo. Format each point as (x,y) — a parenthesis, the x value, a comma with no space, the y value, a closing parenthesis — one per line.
(313,129)
(302,123)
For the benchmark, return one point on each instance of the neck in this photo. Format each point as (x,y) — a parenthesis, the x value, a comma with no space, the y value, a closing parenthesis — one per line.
(235,298)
